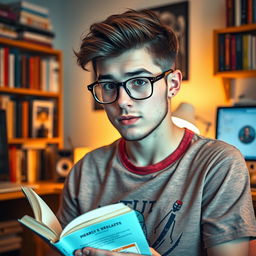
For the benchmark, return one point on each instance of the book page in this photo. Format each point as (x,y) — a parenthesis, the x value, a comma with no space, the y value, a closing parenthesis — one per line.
(38,227)
(47,216)
(94,216)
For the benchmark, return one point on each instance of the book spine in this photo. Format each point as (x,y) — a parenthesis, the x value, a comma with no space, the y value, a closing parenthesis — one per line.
(254,52)
(244,13)
(17,68)
(6,66)
(35,23)
(245,52)
(254,11)
(7,14)
(239,52)
(11,69)
(221,52)
(1,67)
(12,161)
(249,11)
(237,12)
(18,115)
(30,15)
(229,13)
(227,51)
(25,119)
(233,52)
(28,6)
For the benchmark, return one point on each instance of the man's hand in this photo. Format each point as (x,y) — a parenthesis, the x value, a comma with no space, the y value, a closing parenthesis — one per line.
(88,251)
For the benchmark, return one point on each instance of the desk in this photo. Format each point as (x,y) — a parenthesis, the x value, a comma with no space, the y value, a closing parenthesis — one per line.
(14,205)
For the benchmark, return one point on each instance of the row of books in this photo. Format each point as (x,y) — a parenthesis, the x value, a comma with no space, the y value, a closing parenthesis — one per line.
(30,118)
(27,21)
(32,162)
(240,12)
(20,69)
(10,237)
(237,51)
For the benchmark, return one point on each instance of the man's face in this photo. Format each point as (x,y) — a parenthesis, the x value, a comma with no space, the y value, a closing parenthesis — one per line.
(135,119)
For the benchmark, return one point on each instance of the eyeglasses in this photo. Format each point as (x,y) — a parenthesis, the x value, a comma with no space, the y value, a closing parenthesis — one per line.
(138,88)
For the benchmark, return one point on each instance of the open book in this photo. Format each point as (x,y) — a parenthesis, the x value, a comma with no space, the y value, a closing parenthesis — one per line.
(113,227)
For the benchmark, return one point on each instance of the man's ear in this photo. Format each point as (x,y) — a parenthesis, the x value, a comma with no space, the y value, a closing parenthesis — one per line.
(174,82)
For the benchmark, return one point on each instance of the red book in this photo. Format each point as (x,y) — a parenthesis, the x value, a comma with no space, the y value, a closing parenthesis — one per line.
(12,151)
(25,119)
(227,51)
(31,73)
(249,11)
(230,13)
(6,66)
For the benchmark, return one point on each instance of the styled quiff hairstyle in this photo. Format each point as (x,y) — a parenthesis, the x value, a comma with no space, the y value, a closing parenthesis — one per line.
(129,30)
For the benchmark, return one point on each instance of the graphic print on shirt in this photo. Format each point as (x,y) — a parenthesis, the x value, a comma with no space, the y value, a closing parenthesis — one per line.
(165,228)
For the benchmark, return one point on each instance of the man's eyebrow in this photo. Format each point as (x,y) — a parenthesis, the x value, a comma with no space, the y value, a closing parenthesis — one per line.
(127,74)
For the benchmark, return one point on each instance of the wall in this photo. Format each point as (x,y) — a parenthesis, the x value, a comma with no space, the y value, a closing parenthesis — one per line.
(85,127)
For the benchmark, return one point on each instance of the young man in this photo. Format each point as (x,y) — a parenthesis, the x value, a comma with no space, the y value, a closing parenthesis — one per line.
(192,193)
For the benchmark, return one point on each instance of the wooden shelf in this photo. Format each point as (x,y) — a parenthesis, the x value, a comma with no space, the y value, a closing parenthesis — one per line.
(55,140)
(236,73)
(29,46)
(227,76)
(239,29)
(22,91)
(41,188)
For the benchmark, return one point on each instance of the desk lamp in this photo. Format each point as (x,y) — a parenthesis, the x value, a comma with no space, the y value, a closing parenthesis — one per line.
(184,117)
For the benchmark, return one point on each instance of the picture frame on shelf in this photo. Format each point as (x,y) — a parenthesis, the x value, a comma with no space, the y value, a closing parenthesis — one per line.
(177,17)
(42,119)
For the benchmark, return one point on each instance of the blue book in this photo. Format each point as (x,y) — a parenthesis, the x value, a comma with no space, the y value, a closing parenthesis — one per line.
(113,227)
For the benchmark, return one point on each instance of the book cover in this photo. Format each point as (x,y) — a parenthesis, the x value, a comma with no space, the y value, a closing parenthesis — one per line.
(113,227)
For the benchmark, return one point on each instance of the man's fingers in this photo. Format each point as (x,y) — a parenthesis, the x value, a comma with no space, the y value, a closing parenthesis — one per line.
(88,251)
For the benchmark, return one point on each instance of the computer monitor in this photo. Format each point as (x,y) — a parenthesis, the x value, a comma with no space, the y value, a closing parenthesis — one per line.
(4,153)
(236,125)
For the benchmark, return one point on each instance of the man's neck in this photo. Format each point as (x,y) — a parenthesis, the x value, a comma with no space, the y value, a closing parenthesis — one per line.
(154,149)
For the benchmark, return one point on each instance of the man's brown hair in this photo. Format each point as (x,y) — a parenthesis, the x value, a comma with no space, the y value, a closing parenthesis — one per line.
(129,30)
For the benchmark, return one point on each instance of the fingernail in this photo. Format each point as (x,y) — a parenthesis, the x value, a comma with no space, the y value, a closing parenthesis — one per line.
(78,254)
(86,252)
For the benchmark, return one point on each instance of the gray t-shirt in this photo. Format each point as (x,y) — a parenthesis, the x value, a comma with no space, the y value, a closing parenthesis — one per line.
(196,198)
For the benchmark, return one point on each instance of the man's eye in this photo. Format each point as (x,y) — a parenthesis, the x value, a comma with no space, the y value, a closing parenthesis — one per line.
(108,86)
(139,82)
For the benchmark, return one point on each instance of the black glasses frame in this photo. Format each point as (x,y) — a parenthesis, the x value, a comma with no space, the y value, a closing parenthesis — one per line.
(152,80)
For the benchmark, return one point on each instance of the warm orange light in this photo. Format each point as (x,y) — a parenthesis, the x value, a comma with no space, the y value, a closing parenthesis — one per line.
(80,152)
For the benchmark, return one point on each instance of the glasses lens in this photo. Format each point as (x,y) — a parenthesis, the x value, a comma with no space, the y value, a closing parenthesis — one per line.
(139,88)
(105,92)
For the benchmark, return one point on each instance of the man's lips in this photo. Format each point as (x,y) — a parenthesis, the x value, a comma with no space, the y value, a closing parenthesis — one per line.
(128,120)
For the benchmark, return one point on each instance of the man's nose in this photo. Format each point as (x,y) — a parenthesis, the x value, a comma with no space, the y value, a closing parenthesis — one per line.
(123,99)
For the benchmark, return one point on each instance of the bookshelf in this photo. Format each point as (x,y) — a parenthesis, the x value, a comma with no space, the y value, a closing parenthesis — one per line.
(229,74)
(32,93)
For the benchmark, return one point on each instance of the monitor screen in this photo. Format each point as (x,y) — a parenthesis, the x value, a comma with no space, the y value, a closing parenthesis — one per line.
(237,126)
(4,154)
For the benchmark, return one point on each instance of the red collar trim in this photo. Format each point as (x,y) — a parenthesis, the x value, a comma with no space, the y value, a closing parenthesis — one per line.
(179,151)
